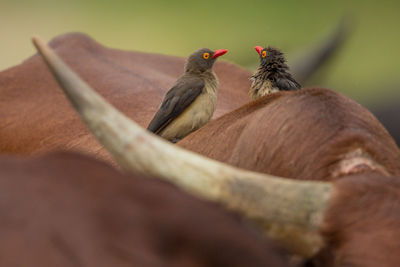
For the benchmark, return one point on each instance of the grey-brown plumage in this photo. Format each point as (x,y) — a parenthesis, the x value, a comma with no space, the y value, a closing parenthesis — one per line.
(191,101)
(272,75)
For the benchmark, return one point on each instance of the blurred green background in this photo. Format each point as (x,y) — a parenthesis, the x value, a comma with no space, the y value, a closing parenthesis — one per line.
(366,68)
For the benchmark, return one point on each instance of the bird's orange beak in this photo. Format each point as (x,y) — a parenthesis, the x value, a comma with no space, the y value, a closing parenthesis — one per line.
(219,52)
(258,49)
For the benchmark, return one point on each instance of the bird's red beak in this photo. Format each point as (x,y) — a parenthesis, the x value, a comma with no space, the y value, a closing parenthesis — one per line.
(258,49)
(219,52)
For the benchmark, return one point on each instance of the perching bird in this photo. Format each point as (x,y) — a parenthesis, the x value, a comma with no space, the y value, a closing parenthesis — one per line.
(191,101)
(272,75)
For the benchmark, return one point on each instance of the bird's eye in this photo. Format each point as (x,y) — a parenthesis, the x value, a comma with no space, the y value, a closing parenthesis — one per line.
(264,53)
(206,55)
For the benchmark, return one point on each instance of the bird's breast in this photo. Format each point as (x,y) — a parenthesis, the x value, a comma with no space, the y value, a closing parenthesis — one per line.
(261,88)
(194,116)
(202,108)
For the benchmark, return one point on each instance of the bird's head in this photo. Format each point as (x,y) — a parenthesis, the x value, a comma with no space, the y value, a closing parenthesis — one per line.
(270,56)
(203,59)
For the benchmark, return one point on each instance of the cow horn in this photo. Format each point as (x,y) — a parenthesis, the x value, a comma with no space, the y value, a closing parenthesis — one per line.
(286,210)
(321,53)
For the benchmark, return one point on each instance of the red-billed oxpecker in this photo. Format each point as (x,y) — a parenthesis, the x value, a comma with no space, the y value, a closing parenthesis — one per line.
(191,101)
(272,75)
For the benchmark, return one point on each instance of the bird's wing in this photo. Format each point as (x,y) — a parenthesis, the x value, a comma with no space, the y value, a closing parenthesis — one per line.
(287,83)
(178,98)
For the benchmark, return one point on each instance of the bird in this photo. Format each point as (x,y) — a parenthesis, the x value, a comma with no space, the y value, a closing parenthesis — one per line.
(272,74)
(190,102)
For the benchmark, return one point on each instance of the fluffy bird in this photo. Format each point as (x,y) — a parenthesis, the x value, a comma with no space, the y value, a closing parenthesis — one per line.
(191,101)
(272,75)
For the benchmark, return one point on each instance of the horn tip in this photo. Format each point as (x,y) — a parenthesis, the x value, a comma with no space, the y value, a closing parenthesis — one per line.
(36,40)
(39,44)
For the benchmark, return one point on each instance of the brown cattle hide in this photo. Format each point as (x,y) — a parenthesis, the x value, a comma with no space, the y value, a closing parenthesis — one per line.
(313,134)
(35,117)
(69,210)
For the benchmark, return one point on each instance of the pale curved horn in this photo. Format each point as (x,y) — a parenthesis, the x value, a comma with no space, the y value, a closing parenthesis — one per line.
(287,210)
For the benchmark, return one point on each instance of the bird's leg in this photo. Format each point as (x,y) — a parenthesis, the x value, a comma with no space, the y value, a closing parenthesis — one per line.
(175,140)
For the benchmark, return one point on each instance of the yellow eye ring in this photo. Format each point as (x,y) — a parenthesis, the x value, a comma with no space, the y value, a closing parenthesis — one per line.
(264,53)
(206,55)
